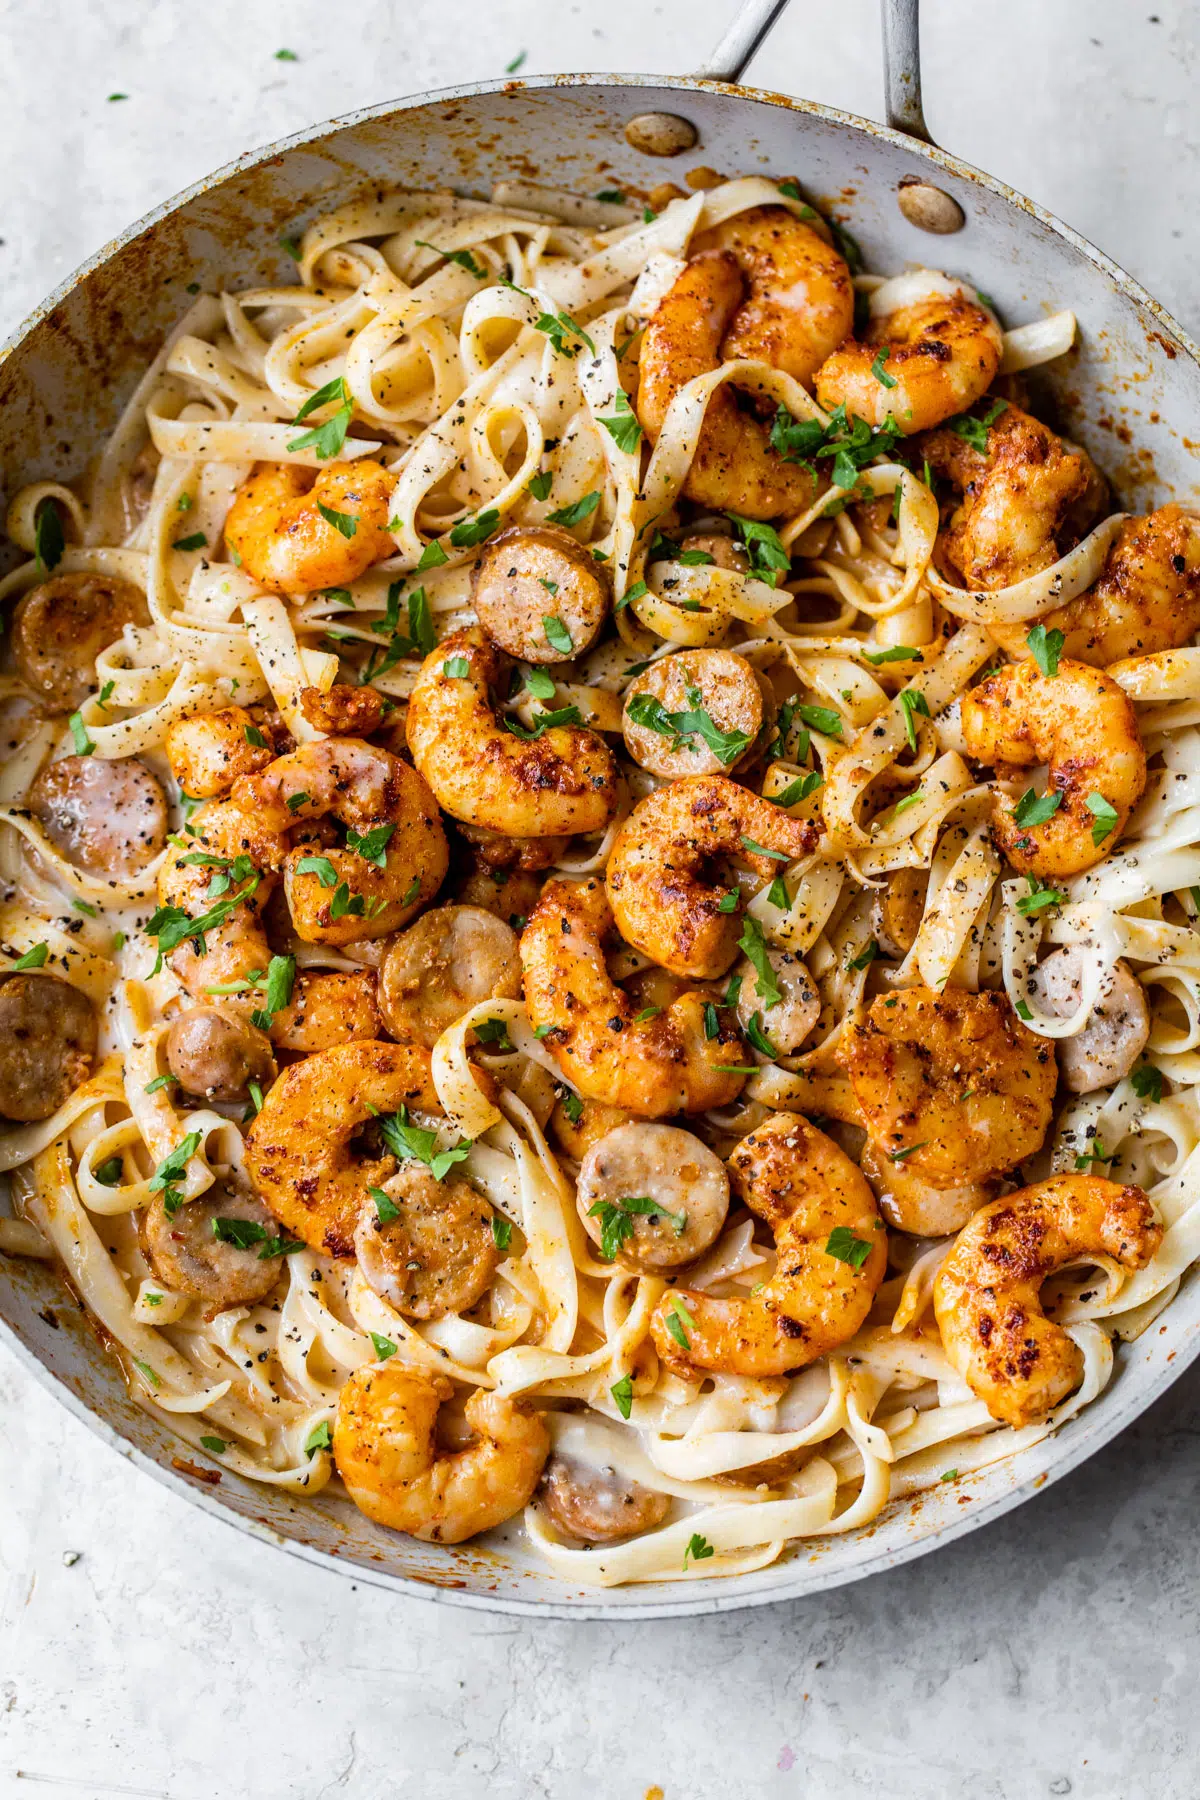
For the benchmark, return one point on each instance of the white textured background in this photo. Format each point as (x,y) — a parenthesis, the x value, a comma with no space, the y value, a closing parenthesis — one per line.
(1053,1654)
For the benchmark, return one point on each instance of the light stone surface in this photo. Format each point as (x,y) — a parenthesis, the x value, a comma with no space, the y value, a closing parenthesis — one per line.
(1052,1654)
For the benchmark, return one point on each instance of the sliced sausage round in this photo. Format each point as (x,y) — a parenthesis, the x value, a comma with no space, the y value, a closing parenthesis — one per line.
(653,1196)
(539,594)
(193,1251)
(47,1044)
(60,628)
(109,817)
(718,683)
(215,1055)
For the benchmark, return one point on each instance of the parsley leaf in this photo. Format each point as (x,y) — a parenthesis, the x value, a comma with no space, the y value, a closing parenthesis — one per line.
(79,734)
(463,258)
(912,701)
(412,1143)
(822,719)
(48,540)
(1045,648)
(371,845)
(327,439)
(879,372)
(698,1548)
(539,485)
(544,721)
(1147,1083)
(975,431)
(469,532)
(624,427)
(501,1231)
(650,713)
(1035,809)
(557,635)
(577,512)
(1105,816)
(34,958)
(1038,897)
(617,1216)
(846,1247)
(678,1317)
(753,944)
(622,1393)
(384,1347)
(346,523)
(768,558)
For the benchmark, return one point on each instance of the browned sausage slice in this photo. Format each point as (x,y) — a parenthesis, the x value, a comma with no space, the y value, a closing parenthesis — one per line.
(599,1506)
(106,817)
(215,1055)
(533,573)
(435,1251)
(189,1256)
(60,628)
(47,1043)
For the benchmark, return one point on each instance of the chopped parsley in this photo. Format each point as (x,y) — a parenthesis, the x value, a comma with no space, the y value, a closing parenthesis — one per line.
(1045,647)
(469,532)
(1035,809)
(879,372)
(650,713)
(623,427)
(384,1347)
(617,1216)
(1039,897)
(975,431)
(753,944)
(768,558)
(577,512)
(697,1549)
(34,957)
(1104,815)
(557,635)
(412,1143)
(1148,1083)
(171,1170)
(463,258)
(327,439)
(48,540)
(345,523)
(79,735)
(678,1317)
(622,1393)
(501,1231)
(846,1247)
(539,485)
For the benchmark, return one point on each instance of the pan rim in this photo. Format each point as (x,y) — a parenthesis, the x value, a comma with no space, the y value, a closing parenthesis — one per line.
(1072,1447)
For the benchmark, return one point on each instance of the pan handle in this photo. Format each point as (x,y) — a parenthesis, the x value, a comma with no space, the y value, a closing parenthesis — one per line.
(901,56)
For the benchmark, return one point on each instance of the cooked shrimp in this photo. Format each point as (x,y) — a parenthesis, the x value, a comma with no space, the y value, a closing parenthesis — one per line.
(328,1008)
(1147,598)
(312,1152)
(598,1506)
(539,594)
(453,957)
(1083,725)
(662,894)
(951,1084)
(734,468)
(649,1067)
(385,1452)
(187,1254)
(106,816)
(560,782)
(240,849)
(402,854)
(434,1252)
(60,628)
(208,752)
(575,1124)
(939,354)
(985,1296)
(917,1206)
(1116,1031)
(653,1195)
(282,537)
(48,1038)
(799,301)
(215,1054)
(785,1022)
(1016,496)
(717,683)
(808,1191)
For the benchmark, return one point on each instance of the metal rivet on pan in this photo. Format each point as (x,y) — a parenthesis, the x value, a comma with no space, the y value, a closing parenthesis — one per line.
(928,208)
(661,134)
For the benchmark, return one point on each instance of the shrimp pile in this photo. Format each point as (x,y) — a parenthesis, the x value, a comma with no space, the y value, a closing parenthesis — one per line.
(599,932)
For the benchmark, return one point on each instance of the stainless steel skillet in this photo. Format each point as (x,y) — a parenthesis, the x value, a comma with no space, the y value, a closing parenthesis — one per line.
(1135,382)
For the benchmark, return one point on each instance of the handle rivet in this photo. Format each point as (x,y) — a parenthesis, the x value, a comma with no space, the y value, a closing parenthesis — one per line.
(661,134)
(928,208)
